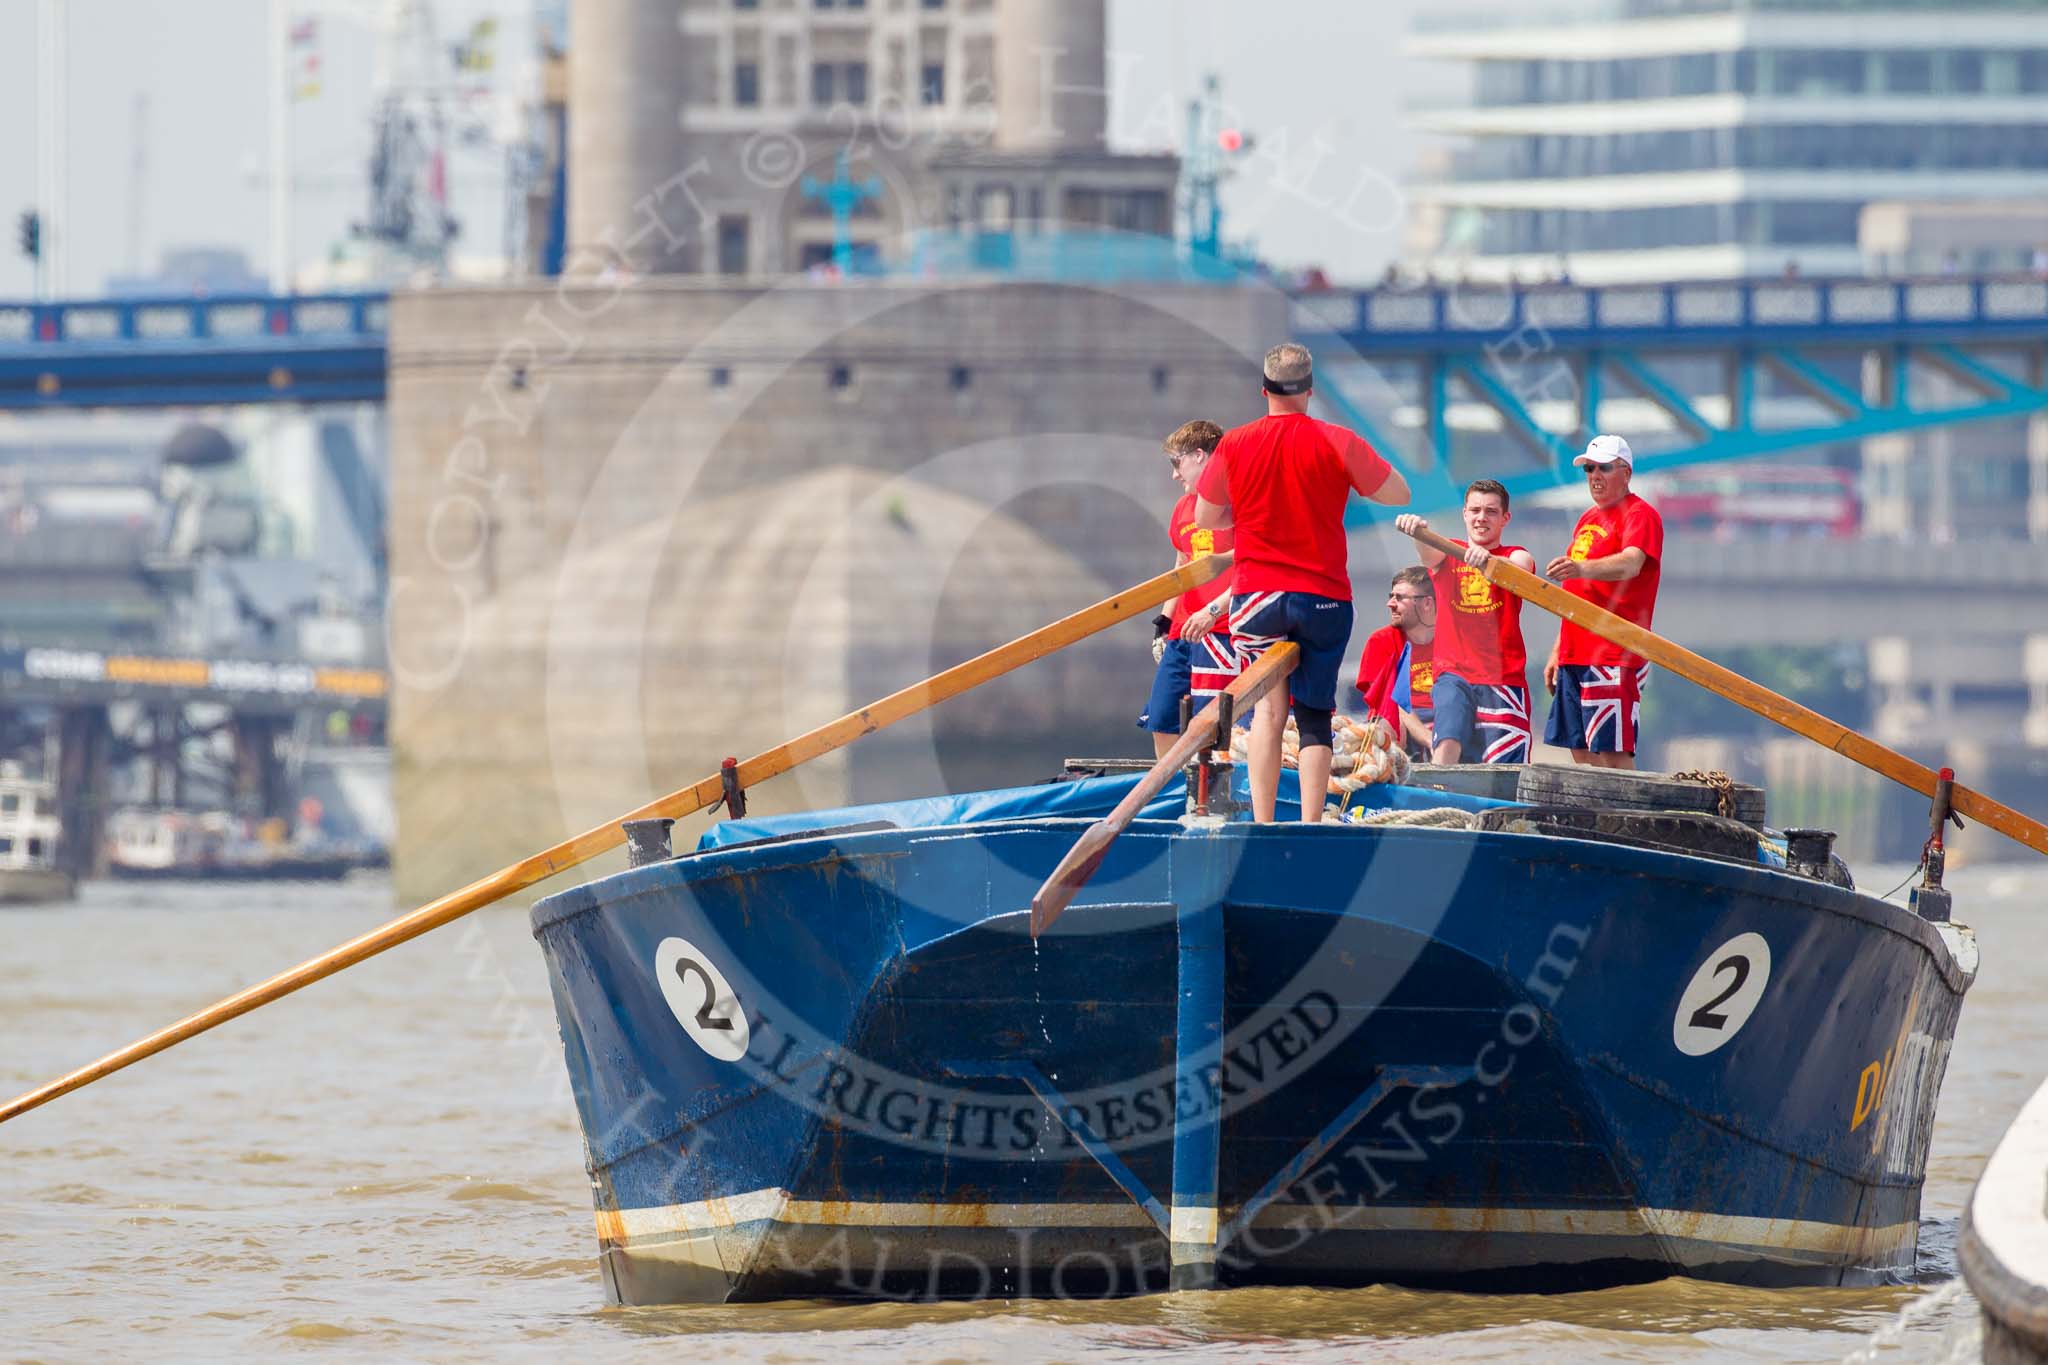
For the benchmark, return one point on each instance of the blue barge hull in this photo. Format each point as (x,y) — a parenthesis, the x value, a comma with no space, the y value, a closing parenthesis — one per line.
(838,1066)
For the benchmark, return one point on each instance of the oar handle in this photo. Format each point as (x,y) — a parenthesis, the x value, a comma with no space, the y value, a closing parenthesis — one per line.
(1132,602)
(1441,544)
(1752,696)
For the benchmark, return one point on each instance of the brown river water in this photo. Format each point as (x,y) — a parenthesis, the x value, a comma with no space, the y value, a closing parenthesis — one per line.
(388,1165)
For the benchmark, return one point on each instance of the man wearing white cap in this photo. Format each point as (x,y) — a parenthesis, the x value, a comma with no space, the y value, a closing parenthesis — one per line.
(1614,562)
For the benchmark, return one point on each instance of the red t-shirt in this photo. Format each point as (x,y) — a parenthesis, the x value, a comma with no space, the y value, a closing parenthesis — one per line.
(1194,542)
(1601,532)
(1478,625)
(1285,480)
(1376,669)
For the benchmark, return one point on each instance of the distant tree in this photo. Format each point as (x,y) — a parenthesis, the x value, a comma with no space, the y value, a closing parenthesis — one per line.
(1829,678)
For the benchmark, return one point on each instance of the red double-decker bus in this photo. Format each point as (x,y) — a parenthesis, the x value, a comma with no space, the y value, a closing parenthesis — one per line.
(1759,498)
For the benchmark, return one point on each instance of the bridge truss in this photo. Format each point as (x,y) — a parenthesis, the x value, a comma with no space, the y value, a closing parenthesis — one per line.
(1450,383)
(197,352)
(1457,383)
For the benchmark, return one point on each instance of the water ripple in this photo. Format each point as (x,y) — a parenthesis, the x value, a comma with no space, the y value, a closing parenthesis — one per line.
(352,1172)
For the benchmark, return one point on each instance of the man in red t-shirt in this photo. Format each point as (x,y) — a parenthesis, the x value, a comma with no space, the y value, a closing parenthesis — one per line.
(1192,648)
(1615,562)
(1281,484)
(1398,668)
(1482,668)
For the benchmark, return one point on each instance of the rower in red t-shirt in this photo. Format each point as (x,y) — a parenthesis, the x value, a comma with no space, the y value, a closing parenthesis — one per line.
(1191,646)
(1615,562)
(1398,668)
(1281,483)
(1482,669)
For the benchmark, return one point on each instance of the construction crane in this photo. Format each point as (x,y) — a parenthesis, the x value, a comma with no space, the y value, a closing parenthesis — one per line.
(1213,146)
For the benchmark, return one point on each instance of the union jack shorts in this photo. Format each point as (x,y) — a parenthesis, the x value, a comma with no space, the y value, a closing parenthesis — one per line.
(1320,625)
(1597,707)
(1200,668)
(1490,721)
(1212,663)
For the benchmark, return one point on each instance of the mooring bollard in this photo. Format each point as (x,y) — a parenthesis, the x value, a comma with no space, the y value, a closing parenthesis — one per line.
(1807,852)
(647,841)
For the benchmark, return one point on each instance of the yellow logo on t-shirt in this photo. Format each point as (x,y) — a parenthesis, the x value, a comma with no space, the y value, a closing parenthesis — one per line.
(1582,543)
(1422,675)
(1475,592)
(1201,542)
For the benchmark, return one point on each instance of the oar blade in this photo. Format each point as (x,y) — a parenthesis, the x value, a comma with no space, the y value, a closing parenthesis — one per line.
(1070,876)
(833,735)
(1201,733)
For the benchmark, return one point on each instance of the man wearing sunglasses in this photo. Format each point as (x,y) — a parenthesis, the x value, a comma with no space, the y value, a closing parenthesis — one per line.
(1615,561)
(1190,643)
(1399,666)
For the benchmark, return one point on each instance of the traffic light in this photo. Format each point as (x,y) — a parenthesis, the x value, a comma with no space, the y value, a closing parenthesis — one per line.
(30,234)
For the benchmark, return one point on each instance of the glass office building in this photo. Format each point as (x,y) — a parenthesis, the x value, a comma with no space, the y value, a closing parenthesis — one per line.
(1663,139)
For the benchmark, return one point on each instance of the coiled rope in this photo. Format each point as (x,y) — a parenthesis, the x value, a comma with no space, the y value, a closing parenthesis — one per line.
(1363,753)
(1436,817)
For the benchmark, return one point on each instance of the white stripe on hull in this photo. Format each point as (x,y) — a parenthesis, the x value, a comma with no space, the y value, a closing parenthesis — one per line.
(672,1222)
(628,1225)
(1775,1234)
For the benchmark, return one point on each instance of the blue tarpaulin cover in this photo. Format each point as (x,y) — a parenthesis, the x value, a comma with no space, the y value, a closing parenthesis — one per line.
(1086,799)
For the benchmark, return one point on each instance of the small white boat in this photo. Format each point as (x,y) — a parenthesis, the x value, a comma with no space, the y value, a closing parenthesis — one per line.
(2004,1244)
(155,843)
(159,843)
(30,832)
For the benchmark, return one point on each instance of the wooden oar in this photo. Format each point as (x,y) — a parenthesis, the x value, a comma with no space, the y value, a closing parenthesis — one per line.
(1135,601)
(1772,707)
(1086,855)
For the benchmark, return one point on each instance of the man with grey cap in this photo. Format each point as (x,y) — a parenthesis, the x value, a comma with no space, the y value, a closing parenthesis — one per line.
(1615,562)
(1281,484)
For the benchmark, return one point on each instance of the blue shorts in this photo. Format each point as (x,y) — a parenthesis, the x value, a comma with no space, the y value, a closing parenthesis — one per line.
(1320,625)
(1596,708)
(1201,669)
(1490,721)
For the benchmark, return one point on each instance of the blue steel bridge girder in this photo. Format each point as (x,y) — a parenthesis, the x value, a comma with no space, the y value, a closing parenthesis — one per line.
(125,353)
(1499,343)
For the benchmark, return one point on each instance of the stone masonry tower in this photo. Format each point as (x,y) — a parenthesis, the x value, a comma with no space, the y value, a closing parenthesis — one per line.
(628,83)
(1051,76)
(700,133)
(1049,168)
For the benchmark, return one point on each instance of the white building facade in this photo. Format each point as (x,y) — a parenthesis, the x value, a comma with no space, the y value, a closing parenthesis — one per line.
(710,136)
(1691,139)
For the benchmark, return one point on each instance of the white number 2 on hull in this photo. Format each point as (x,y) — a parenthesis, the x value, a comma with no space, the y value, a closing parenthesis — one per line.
(1722,995)
(703,1004)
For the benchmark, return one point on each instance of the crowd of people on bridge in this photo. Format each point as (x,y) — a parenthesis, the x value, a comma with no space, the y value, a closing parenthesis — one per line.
(1448,672)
